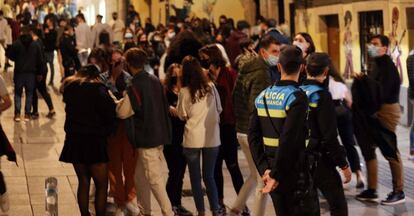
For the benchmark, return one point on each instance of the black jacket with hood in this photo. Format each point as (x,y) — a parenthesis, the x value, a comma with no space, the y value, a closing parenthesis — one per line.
(27,56)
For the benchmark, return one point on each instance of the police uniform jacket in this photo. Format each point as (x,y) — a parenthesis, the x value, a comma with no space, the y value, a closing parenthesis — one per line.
(277,136)
(322,123)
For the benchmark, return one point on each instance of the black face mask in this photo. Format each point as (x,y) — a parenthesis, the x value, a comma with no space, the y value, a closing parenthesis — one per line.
(205,63)
(174,80)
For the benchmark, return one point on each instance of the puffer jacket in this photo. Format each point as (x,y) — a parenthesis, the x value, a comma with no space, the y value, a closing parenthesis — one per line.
(253,78)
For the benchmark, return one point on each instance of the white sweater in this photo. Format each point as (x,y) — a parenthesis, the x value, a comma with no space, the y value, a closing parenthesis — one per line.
(202,119)
(83,37)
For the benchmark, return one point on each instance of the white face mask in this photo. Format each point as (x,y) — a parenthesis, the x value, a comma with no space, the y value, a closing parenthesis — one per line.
(373,51)
(171,35)
(302,46)
(128,35)
(272,60)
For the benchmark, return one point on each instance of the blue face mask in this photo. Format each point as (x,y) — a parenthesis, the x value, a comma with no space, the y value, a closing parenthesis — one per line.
(373,51)
(272,60)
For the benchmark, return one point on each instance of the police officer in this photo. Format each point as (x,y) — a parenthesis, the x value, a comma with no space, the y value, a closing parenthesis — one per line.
(277,135)
(323,135)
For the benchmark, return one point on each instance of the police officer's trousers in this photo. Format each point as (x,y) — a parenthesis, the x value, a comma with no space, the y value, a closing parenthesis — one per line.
(328,181)
(287,204)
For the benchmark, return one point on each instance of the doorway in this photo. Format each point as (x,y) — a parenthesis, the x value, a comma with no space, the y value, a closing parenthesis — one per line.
(370,23)
(331,27)
(258,14)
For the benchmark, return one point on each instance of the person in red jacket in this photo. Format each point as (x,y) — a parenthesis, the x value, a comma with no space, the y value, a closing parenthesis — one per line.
(232,44)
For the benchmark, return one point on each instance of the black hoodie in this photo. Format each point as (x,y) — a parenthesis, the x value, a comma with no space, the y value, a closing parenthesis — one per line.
(26,54)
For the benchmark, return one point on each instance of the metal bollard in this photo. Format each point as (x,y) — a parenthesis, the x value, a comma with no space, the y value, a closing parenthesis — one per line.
(51,193)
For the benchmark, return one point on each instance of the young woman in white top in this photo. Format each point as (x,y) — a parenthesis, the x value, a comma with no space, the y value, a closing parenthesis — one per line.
(343,102)
(199,105)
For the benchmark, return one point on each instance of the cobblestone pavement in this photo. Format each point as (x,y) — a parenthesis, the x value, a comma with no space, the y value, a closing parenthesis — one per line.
(38,145)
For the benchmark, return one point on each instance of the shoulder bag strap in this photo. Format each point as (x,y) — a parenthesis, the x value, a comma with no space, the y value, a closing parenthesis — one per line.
(268,115)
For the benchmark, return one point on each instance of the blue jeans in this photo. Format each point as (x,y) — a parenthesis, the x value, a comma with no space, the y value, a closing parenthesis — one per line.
(50,56)
(26,81)
(209,162)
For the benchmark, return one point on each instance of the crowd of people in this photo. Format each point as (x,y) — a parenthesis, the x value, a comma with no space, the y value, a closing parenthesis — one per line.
(143,99)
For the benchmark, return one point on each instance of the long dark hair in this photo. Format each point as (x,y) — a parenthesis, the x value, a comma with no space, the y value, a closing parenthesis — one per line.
(308,38)
(102,58)
(185,43)
(194,79)
(170,71)
(333,72)
(214,54)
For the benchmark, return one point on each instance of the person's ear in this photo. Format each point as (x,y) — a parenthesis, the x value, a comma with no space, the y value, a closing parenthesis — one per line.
(263,53)
(279,67)
(325,72)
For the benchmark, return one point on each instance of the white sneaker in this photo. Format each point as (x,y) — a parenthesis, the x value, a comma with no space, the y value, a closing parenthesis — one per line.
(132,208)
(4,202)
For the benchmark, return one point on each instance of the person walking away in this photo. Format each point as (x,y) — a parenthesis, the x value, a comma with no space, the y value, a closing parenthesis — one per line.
(50,47)
(255,76)
(98,28)
(122,155)
(225,78)
(40,85)
(410,71)
(67,48)
(84,39)
(323,140)
(90,118)
(147,105)
(27,57)
(174,153)
(118,28)
(342,99)
(5,147)
(277,138)
(386,76)
(199,105)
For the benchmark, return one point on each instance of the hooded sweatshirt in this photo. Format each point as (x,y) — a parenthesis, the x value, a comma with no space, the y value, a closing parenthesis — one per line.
(26,55)
(233,45)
